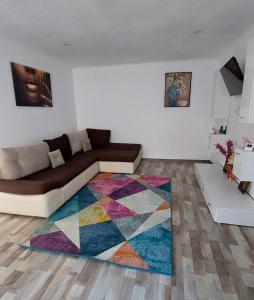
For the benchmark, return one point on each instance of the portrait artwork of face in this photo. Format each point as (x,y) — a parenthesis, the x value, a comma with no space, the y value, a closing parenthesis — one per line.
(31,86)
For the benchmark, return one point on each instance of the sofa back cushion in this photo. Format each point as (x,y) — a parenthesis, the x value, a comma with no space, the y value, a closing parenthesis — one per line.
(98,137)
(76,139)
(62,143)
(18,162)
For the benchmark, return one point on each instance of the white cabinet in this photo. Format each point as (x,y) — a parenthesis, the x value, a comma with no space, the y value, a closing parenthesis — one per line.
(225,202)
(244,165)
(247,102)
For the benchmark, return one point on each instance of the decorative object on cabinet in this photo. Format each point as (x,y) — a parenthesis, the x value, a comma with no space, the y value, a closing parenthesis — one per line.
(243,186)
(32,87)
(228,153)
(177,89)
(221,131)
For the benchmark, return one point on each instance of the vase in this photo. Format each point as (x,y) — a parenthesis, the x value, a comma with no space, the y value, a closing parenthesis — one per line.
(225,167)
(228,169)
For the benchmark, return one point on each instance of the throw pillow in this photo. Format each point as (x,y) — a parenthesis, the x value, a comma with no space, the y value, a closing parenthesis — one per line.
(56,158)
(62,143)
(75,142)
(98,137)
(86,145)
(76,139)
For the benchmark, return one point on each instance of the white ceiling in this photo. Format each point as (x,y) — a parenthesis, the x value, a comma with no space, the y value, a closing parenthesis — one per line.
(126,31)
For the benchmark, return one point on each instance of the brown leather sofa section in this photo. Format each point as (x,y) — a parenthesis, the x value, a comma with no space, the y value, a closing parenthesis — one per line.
(48,179)
(123,146)
(105,154)
(62,143)
(98,137)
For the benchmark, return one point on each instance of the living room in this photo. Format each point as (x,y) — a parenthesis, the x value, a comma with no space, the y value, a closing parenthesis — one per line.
(117,122)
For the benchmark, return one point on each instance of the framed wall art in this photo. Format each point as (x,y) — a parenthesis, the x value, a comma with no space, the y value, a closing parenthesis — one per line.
(32,87)
(177,89)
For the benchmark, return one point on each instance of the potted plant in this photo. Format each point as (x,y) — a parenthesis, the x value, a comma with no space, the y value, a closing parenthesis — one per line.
(228,153)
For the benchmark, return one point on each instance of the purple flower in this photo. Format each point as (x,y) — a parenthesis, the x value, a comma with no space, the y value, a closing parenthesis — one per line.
(226,152)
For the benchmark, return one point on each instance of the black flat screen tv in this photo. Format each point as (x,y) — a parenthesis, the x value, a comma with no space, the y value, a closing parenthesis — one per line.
(233,77)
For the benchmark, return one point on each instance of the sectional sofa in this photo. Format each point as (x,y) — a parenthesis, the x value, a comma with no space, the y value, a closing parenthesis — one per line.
(30,186)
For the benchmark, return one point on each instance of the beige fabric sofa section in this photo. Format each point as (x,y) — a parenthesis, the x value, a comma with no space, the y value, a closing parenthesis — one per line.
(22,161)
(120,167)
(44,205)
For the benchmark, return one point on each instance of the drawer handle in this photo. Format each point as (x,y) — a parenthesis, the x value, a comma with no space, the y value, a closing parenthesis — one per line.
(237,153)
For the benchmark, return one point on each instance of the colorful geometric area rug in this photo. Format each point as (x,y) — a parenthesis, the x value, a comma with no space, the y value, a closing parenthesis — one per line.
(119,219)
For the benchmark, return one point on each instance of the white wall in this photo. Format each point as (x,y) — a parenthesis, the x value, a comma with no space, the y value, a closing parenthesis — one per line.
(26,125)
(129,100)
(236,129)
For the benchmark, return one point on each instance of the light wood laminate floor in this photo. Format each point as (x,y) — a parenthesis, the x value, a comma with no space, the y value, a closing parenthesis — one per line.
(211,261)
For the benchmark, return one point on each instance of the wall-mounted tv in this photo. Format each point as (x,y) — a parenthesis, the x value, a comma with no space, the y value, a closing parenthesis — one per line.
(233,77)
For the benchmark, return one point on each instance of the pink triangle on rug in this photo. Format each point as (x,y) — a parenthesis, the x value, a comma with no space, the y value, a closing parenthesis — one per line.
(155,180)
(116,210)
(109,185)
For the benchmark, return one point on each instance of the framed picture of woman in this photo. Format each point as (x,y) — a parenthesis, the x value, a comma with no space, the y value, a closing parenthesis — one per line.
(32,86)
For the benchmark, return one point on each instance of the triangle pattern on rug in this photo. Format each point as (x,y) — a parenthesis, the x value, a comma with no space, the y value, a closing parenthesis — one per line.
(97,238)
(93,214)
(129,189)
(110,252)
(70,227)
(150,248)
(129,225)
(165,187)
(155,180)
(155,219)
(127,256)
(86,198)
(55,241)
(143,202)
(47,227)
(69,208)
(101,176)
(96,194)
(163,206)
(109,185)
(132,228)
(116,210)
(162,193)
(167,225)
